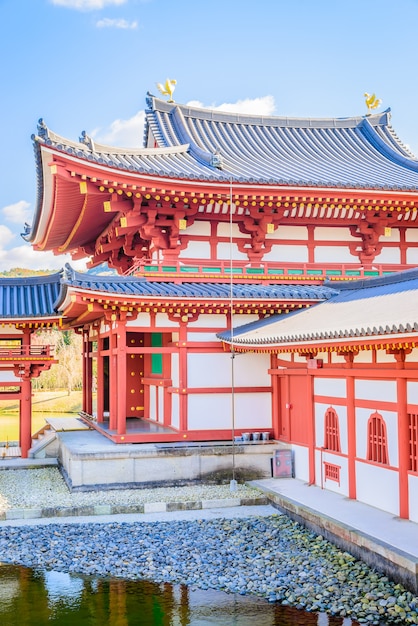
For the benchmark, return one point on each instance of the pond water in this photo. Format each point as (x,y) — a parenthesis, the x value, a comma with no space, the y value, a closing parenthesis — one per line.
(9,423)
(40,598)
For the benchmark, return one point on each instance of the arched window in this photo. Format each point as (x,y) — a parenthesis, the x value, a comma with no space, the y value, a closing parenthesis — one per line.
(332,431)
(377,449)
(413,442)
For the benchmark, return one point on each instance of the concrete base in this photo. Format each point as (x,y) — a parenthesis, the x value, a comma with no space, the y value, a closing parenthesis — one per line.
(90,461)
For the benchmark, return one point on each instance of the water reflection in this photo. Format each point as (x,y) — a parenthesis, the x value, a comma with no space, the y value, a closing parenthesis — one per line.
(37,598)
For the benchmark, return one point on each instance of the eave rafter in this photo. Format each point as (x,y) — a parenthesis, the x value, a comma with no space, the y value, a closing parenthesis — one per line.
(347,350)
(136,214)
(83,308)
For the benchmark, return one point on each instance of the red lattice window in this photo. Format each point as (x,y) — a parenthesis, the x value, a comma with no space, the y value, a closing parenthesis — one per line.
(413,442)
(378,447)
(332,472)
(332,431)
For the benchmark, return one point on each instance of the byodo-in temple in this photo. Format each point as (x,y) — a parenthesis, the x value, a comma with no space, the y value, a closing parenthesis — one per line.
(267,259)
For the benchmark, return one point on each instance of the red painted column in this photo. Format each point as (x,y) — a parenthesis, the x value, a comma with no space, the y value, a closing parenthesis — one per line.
(121,377)
(100,381)
(403,448)
(183,382)
(113,379)
(310,421)
(275,399)
(351,438)
(25,435)
(87,376)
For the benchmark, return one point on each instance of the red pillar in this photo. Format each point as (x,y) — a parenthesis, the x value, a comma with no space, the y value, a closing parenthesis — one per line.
(100,381)
(183,382)
(113,382)
(121,377)
(25,436)
(351,438)
(87,376)
(403,448)
(310,419)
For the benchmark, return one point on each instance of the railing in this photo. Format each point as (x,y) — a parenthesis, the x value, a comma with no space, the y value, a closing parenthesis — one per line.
(270,271)
(25,352)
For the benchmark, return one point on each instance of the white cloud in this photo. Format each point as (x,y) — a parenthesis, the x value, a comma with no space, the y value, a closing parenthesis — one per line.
(117,23)
(6,235)
(87,5)
(253,106)
(25,256)
(129,133)
(18,213)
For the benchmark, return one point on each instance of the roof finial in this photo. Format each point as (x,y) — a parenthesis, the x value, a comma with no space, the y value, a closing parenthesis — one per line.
(168,88)
(372,102)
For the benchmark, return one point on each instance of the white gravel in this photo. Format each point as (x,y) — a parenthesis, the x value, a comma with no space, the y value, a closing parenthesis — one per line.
(45,487)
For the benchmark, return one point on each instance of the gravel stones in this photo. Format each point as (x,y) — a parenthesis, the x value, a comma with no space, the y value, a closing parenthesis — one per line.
(45,488)
(272,557)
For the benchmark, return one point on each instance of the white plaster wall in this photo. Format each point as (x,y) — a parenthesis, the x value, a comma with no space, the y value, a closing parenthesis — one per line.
(216,321)
(214,411)
(301,462)
(337,358)
(388,255)
(162,321)
(141,321)
(334,387)
(240,320)
(412,256)
(395,235)
(413,356)
(253,410)
(205,337)
(224,252)
(383,357)
(289,254)
(292,232)
(175,410)
(152,403)
(214,370)
(411,234)
(376,390)
(412,392)
(333,254)
(160,394)
(209,370)
(364,356)
(320,410)
(328,233)
(224,230)
(175,376)
(391,421)
(378,486)
(335,459)
(413,498)
(195,250)
(201,229)
(8,377)
(209,411)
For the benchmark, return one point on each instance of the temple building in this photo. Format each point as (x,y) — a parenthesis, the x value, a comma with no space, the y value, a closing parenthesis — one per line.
(259,258)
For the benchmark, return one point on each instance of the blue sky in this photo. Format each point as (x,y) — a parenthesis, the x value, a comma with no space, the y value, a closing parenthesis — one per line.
(87,65)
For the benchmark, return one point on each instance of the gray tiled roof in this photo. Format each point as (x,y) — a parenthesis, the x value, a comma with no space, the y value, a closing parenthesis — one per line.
(202,144)
(32,297)
(140,287)
(380,307)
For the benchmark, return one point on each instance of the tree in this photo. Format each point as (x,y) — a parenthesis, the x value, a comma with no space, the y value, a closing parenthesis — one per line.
(67,349)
